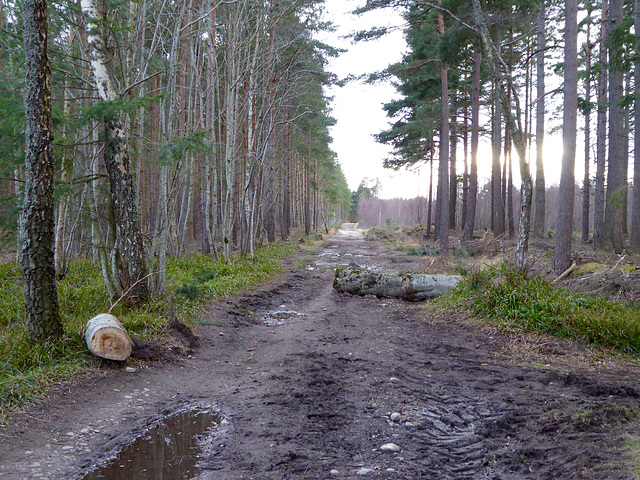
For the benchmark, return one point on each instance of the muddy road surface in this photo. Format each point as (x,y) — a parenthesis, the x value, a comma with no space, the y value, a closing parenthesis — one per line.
(312,384)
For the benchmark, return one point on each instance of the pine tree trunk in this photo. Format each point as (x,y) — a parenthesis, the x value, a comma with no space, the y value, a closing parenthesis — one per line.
(635,208)
(443,170)
(37,230)
(564,228)
(475,134)
(497,209)
(601,134)
(539,217)
(504,81)
(617,176)
(586,182)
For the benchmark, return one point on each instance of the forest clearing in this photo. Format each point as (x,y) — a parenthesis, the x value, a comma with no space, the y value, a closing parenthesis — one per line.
(311,384)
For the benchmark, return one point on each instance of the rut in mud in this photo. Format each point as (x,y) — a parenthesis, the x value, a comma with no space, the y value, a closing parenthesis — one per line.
(310,384)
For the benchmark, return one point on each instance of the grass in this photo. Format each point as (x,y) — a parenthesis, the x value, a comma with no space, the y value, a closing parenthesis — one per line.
(531,304)
(28,370)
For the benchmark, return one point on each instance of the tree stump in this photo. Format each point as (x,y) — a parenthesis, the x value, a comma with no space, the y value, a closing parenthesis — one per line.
(408,286)
(106,338)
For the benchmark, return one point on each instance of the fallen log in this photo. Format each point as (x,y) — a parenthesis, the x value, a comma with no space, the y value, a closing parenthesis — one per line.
(408,286)
(106,338)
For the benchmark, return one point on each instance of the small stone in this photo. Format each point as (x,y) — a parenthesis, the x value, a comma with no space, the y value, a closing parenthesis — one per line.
(394,379)
(84,430)
(390,447)
(28,452)
(334,472)
(35,464)
(395,416)
(364,471)
(130,370)
(68,447)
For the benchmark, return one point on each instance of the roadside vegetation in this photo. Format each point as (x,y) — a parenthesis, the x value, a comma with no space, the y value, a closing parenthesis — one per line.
(495,291)
(28,370)
(513,300)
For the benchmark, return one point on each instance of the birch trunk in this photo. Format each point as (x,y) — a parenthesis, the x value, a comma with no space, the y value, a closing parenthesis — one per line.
(123,197)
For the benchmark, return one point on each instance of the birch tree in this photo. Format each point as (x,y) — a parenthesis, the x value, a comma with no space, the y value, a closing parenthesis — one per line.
(133,276)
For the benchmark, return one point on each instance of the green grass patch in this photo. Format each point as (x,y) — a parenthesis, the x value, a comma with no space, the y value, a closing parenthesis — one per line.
(28,370)
(532,304)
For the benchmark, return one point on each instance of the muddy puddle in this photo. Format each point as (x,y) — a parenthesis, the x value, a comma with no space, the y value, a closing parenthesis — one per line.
(280,316)
(168,451)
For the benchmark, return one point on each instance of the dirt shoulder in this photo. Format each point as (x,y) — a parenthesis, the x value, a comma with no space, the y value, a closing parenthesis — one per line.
(312,384)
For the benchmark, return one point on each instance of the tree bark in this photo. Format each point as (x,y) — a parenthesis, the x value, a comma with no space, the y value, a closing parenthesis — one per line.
(635,209)
(514,123)
(123,196)
(564,227)
(106,338)
(586,182)
(407,286)
(617,176)
(37,230)
(443,170)
(601,134)
(539,217)
(475,135)
(497,219)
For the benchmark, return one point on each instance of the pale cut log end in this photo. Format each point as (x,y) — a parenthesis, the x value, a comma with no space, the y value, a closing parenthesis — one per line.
(106,338)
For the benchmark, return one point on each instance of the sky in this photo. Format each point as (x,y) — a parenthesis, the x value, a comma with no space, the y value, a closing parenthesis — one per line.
(358,108)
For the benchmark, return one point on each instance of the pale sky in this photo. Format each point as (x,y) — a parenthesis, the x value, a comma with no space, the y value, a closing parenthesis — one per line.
(357,108)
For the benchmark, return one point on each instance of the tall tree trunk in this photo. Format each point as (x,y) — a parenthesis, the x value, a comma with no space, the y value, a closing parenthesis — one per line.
(465,154)
(430,204)
(635,208)
(539,217)
(475,134)
(123,197)
(617,176)
(497,213)
(601,134)
(564,228)
(37,230)
(586,183)
(443,170)
(504,80)
(453,175)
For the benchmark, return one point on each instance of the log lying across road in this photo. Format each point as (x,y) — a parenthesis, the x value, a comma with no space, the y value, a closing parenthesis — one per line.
(409,286)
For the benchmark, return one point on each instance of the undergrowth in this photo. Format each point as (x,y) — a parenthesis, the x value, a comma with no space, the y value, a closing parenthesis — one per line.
(27,370)
(511,299)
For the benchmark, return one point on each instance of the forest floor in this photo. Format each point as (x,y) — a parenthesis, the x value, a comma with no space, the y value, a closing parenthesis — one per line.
(310,384)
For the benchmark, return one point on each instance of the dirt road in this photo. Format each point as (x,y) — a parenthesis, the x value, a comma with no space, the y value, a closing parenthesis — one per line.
(311,384)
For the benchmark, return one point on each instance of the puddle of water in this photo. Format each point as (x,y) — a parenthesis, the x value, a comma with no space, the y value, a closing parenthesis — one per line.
(279,316)
(168,452)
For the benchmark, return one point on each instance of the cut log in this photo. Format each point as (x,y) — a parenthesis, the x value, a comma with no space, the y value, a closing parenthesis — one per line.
(106,338)
(409,286)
